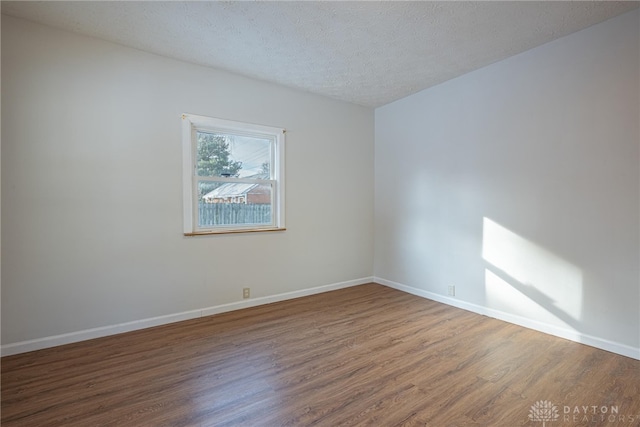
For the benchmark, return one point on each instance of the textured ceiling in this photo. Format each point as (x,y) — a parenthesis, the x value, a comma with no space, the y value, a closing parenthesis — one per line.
(368,53)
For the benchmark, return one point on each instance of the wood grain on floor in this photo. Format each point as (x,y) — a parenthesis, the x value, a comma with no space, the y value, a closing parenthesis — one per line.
(366,355)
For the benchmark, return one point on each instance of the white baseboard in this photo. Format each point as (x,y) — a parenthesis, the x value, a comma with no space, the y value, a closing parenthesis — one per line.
(601,343)
(87,334)
(56,340)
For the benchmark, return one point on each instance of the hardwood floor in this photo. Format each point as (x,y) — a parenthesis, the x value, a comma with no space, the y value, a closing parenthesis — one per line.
(367,355)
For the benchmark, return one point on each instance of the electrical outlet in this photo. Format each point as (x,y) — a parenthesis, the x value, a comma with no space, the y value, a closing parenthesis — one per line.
(452,290)
(246,292)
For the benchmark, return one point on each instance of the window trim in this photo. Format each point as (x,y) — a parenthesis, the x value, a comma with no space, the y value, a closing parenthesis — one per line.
(192,123)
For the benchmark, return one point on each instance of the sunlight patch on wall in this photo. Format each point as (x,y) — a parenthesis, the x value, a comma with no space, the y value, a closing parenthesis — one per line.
(529,280)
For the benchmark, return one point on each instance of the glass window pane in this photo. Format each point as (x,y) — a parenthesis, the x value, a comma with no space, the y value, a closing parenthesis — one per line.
(233,203)
(220,154)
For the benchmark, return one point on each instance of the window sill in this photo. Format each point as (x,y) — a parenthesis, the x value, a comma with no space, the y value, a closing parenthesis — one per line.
(247,230)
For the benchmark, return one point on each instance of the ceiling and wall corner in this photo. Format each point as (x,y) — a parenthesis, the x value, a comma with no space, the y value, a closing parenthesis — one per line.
(367,53)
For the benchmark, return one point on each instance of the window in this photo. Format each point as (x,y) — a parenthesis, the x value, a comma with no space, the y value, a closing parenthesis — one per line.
(233,176)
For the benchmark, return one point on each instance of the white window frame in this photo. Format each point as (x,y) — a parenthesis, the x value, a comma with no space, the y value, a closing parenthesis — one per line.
(191,124)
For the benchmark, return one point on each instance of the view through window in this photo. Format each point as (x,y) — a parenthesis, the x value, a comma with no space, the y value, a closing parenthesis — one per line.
(235,176)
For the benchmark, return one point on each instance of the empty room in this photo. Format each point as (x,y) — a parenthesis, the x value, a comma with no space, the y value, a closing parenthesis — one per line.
(320,213)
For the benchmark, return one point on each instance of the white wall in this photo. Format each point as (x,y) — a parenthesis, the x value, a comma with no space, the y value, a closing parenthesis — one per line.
(91,187)
(531,163)
(519,184)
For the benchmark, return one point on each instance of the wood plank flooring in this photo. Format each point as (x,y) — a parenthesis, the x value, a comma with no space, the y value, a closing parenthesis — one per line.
(366,355)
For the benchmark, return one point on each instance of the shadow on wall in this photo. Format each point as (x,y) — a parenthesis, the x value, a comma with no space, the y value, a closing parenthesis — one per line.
(528,280)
